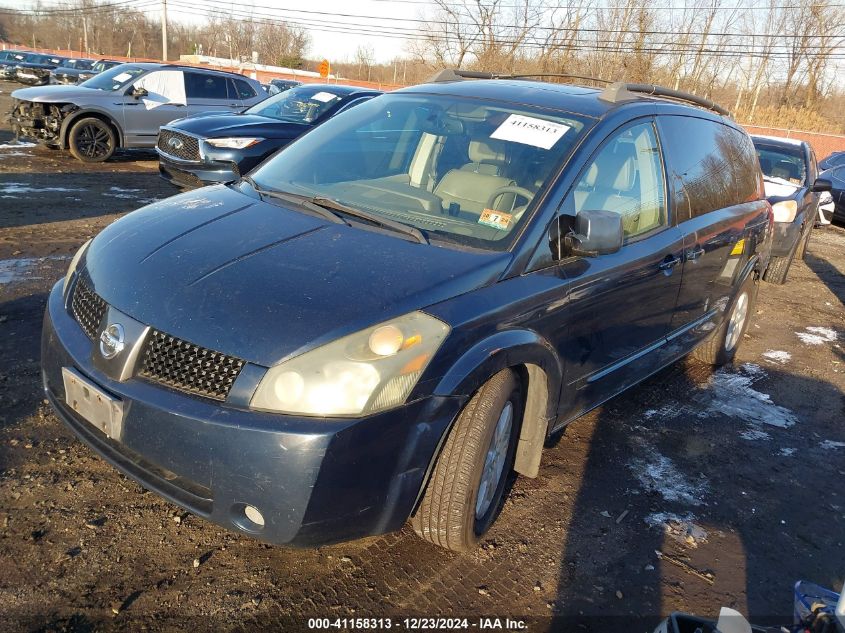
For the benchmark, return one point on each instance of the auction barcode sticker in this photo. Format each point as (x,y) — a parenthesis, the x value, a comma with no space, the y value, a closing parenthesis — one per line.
(530,131)
(325,97)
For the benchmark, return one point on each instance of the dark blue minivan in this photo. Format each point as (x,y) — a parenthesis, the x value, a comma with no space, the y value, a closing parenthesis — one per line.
(390,316)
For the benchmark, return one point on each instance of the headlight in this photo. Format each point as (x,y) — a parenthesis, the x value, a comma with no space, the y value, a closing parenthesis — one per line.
(233,142)
(368,371)
(785,211)
(74,263)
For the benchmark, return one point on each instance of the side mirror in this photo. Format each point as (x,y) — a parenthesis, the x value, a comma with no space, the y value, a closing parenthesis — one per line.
(822,184)
(138,92)
(594,233)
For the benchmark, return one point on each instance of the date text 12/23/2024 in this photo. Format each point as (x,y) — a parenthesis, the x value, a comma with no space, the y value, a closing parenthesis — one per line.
(419,624)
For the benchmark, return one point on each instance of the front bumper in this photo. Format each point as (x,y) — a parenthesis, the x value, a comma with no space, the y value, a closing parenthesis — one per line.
(196,173)
(315,481)
(786,236)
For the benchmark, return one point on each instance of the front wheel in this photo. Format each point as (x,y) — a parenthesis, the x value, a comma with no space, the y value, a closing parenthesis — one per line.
(466,489)
(722,346)
(92,140)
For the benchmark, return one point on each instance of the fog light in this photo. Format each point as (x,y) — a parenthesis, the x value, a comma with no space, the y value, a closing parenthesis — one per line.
(253,514)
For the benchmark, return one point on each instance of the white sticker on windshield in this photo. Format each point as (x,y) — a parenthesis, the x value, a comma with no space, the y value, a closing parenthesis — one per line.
(121,77)
(530,131)
(325,97)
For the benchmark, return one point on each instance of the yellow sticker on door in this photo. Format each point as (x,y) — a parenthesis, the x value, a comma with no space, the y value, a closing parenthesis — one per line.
(497,219)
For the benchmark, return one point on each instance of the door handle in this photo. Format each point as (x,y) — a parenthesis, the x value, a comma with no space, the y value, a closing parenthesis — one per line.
(695,253)
(669,263)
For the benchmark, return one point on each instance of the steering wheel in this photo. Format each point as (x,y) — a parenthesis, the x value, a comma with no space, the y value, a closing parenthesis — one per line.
(522,192)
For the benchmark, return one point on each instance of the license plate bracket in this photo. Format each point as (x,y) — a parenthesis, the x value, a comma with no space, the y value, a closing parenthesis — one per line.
(92,403)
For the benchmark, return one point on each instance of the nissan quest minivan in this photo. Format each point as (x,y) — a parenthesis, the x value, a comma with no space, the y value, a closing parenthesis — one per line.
(389,317)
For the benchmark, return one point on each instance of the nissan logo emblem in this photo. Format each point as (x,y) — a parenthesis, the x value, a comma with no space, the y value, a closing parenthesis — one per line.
(112,341)
(175,143)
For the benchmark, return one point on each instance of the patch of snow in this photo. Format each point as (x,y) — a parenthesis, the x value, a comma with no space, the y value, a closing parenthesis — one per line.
(787,452)
(755,434)
(21,269)
(11,189)
(830,444)
(777,356)
(657,473)
(679,528)
(16,145)
(732,394)
(817,335)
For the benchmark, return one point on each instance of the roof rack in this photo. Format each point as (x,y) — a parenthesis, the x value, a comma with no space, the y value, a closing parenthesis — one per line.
(454,74)
(620,91)
(615,92)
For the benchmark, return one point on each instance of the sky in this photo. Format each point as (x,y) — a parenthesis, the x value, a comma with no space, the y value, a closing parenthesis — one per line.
(330,44)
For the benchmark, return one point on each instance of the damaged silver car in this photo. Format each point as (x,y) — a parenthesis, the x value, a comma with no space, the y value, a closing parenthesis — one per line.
(125,106)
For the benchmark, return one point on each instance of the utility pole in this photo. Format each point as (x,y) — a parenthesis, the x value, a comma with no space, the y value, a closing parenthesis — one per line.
(85,32)
(164,30)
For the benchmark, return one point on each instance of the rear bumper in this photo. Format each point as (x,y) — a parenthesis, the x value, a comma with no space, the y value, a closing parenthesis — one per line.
(315,481)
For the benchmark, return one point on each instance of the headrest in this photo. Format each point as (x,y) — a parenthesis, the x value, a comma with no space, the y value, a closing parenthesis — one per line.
(486,152)
(616,170)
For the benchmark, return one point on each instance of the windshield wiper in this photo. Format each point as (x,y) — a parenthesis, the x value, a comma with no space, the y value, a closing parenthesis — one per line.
(398,227)
(301,201)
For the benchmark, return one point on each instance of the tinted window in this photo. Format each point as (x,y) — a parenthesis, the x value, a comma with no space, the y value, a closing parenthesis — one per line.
(205,86)
(245,91)
(713,166)
(625,177)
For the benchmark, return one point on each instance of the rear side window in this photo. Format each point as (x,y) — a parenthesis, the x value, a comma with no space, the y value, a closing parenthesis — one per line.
(205,86)
(244,90)
(713,166)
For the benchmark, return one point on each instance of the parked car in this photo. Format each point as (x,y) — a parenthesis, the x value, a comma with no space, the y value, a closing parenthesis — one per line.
(11,57)
(100,66)
(125,106)
(8,60)
(836,176)
(69,72)
(35,68)
(205,150)
(394,312)
(834,159)
(280,85)
(789,172)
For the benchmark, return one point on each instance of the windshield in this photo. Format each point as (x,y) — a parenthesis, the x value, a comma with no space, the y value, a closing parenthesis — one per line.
(461,170)
(782,163)
(78,64)
(304,104)
(113,78)
(34,58)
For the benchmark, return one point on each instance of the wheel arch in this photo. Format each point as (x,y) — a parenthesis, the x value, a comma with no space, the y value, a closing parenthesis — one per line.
(74,116)
(539,370)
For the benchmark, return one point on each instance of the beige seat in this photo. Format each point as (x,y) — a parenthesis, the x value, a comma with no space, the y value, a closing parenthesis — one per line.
(471,191)
(486,157)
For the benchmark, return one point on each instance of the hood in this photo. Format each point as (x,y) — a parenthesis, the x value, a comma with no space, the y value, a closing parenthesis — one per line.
(239,125)
(778,189)
(31,66)
(58,93)
(226,271)
(70,72)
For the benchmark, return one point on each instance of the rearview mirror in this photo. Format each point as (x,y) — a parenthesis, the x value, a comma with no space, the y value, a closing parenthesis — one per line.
(822,184)
(138,92)
(594,233)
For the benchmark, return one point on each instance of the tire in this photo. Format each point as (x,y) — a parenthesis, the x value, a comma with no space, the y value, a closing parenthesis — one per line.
(778,269)
(801,252)
(92,140)
(720,349)
(450,514)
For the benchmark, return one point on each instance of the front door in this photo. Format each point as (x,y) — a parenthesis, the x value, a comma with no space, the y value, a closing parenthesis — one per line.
(164,101)
(620,305)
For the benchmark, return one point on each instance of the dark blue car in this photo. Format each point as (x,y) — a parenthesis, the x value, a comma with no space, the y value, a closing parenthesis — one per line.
(217,148)
(395,312)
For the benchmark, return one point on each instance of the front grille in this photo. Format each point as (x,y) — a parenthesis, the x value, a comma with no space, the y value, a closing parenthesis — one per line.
(88,309)
(189,150)
(188,367)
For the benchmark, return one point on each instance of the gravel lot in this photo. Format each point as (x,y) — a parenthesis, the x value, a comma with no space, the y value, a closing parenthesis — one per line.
(693,491)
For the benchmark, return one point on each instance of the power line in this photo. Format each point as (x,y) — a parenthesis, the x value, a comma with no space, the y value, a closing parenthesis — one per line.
(89,10)
(664,47)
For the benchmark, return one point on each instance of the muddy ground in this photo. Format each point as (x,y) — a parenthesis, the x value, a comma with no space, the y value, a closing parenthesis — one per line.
(693,491)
